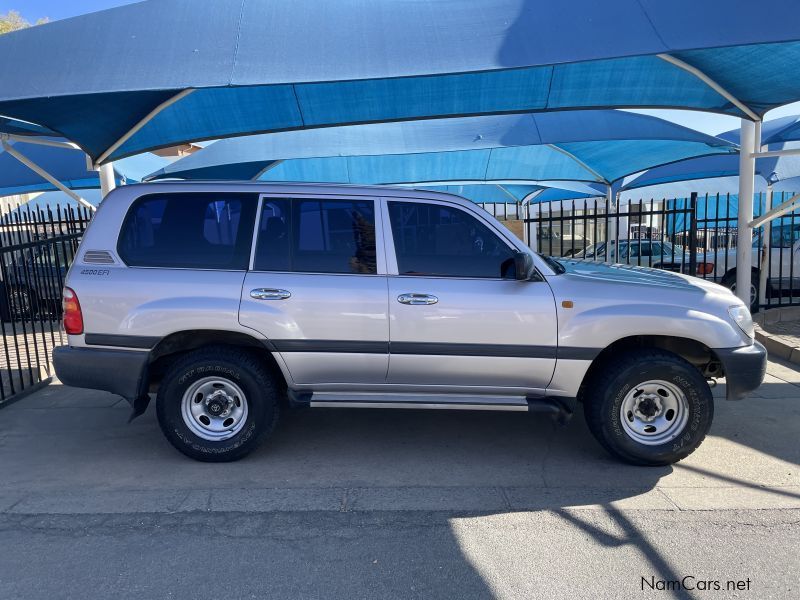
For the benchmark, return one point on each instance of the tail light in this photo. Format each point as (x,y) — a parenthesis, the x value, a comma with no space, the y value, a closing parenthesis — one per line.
(705,268)
(73,317)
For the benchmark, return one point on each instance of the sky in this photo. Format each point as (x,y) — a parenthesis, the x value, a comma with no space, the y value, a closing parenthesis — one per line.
(33,10)
(712,124)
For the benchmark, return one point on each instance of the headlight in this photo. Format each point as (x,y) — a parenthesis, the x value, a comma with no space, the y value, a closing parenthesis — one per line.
(741,315)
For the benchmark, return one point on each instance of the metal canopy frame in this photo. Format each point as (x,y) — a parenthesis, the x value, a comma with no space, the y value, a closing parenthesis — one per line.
(749,146)
(141,123)
(6,137)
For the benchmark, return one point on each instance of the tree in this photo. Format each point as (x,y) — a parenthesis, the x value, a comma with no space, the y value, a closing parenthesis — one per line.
(12,20)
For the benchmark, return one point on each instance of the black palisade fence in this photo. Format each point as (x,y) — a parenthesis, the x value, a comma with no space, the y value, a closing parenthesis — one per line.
(696,235)
(37,246)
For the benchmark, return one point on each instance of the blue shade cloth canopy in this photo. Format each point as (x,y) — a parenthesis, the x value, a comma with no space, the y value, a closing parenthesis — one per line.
(490,193)
(162,72)
(66,165)
(780,134)
(595,146)
(774,131)
(519,165)
(17,127)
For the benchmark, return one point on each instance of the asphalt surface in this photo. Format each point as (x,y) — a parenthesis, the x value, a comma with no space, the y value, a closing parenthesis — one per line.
(396,504)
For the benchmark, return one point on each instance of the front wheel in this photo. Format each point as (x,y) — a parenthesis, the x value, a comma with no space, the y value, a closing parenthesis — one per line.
(217,404)
(649,408)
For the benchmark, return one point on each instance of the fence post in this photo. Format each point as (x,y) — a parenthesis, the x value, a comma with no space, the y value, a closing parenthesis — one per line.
(693,234)
(766,250)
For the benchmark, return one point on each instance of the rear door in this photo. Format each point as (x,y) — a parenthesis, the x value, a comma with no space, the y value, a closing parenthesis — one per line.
(184,257)
(458,316)
(317,287)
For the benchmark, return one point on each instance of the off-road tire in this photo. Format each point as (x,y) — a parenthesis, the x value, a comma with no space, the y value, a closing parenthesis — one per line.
(237,365)
(606,391)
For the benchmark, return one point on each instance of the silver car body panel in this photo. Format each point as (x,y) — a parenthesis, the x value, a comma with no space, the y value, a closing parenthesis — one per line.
(480,331)
(334,334)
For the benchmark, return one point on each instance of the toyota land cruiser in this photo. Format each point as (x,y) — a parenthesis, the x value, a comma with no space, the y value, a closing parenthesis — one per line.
(231,301)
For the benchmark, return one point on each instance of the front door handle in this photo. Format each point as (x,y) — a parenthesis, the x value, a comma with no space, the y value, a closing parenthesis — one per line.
(269,294)
(416,299)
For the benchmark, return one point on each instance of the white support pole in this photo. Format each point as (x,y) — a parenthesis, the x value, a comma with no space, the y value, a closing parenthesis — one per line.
(766,248)
(624,222)
(611,211)
(45,175)
(107,179)
(532,229)
(531,210)
(748,143)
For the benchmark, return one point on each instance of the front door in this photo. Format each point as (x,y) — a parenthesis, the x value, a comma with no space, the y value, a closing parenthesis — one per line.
(458,317)
(317,288)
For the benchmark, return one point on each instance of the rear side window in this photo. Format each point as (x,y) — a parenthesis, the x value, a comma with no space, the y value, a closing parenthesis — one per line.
(317,236)
(201,231)
(432,239)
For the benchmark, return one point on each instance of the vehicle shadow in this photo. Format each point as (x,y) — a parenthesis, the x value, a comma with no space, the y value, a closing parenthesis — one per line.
(766,421)
(409,478)
(449,448)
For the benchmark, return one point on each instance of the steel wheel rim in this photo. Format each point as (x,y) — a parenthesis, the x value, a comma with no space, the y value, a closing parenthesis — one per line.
(21,301)
(654,412)
(214,408)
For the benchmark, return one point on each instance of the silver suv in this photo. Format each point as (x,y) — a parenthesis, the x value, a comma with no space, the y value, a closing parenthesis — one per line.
(232,301)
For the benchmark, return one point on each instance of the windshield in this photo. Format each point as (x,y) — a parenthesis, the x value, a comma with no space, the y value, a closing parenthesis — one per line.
(631,249)
(557,267)
(592,251)
(781,236)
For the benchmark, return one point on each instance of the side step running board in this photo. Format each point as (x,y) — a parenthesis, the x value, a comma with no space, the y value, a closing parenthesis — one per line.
(417,405)
(552,406)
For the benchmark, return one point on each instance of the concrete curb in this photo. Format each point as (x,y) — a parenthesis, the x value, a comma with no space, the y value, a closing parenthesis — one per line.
(775,344)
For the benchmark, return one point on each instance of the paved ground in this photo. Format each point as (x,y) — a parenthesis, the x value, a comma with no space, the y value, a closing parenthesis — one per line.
(394,504)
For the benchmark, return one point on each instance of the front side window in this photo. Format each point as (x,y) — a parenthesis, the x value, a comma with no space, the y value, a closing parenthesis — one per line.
(443,241)
(317,236)
(189,230)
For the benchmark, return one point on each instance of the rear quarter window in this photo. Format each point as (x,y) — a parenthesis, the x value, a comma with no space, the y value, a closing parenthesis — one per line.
(189,230)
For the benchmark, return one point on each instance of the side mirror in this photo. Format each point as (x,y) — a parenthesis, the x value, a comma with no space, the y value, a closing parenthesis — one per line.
(523,265)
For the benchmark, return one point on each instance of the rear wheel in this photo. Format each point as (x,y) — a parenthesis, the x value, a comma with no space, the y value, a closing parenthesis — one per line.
(217,404)
(649,408)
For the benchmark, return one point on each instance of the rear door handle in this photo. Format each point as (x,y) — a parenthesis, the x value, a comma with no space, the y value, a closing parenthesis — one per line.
(416,299)
(269,294)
